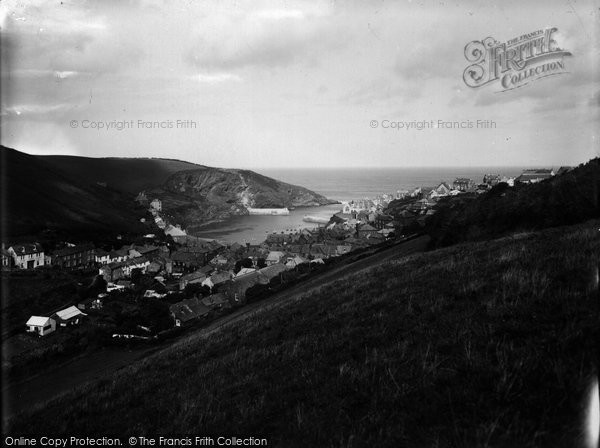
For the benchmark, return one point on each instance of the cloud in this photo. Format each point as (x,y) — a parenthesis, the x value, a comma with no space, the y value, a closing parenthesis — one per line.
(270,38)
(213,78)
(35,110)
(382,91)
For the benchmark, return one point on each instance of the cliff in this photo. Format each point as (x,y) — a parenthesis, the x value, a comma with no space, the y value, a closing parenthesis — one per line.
(194,197)
(96,194)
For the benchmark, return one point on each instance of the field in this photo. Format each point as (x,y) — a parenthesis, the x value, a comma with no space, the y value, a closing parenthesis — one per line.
(480,344)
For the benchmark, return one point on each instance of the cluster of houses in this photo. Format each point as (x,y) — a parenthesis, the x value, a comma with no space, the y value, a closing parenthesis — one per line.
(44,325)
(229,271)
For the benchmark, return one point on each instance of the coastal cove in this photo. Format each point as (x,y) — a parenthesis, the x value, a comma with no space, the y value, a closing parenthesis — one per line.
(340,184)
(253,229)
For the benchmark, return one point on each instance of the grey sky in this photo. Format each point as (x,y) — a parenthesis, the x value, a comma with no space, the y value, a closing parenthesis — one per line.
(292,83)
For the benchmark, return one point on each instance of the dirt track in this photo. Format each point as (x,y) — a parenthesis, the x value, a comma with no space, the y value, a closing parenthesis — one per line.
(101,364)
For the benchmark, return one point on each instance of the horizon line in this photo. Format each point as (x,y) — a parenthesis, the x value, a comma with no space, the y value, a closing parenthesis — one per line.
(319,168)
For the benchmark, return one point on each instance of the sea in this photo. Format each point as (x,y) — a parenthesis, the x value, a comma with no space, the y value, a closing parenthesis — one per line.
(339,184)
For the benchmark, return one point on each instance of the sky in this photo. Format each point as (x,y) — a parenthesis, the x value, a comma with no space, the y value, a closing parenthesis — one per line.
(264,84)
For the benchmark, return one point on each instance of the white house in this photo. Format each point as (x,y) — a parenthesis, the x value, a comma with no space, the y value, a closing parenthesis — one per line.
(156,204)
(40,325)
(216,279)
(101,256)
(27,256)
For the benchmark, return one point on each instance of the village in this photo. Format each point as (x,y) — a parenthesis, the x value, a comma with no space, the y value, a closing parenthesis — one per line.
(168,281)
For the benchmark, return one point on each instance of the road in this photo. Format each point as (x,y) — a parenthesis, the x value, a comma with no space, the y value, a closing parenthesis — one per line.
(94,366)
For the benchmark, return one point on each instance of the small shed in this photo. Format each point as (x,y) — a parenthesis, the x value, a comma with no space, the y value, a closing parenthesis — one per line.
(69,316)
(41,325)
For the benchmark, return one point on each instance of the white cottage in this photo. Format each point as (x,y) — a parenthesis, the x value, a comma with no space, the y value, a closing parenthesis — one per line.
(40,325)
(27,256)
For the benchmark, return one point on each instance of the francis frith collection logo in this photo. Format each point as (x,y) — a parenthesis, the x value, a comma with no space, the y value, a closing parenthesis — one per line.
(516,62)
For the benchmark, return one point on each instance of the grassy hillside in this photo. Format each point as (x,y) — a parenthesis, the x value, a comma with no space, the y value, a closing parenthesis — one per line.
(37,196)
(86,195)
(562,200)
(126,174)
(481,344)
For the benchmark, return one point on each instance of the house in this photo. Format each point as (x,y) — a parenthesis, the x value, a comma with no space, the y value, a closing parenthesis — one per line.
(363,216)
(443,189)
(534,176)
(125,284)
(74,257)
(216,301)
(219,260)
(27,256)
(245,271)
(156,204)
(491,179)
(117,270)
(236,289)
(189,259)
(216,279)
(115,256)
(366,231)
(342,249)
(147,251)
(141,263)
(69,316)
(188,310)
(270,272)
(416,192)
(40,325)
(382,219)
(155,267)
(274,256)
(462,184)
(92,303)
(508,180)
(151,293)
(294,262)
(192,278)
(7,259)
(101,256)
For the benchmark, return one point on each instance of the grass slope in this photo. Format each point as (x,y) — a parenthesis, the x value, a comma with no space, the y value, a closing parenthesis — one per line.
(480,344)
(565,199)
(126,174)
(37,195)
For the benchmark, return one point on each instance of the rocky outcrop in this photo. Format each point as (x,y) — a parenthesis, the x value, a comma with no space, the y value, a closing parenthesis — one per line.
(195,197)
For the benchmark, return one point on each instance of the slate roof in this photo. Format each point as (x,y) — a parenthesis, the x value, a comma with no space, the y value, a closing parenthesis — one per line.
(28,248)
(189,309)
(272,271)
(69,313)
(72,250)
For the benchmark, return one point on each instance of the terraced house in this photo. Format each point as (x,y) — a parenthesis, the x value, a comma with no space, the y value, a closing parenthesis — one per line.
(75,257)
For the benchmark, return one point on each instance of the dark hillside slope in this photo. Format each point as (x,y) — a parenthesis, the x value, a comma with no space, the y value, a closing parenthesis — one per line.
(126,174)
(192,194)
(38,196)
(481,344)
(565,199)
